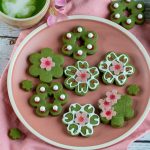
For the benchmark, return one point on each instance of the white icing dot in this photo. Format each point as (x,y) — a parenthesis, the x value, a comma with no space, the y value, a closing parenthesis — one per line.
(55,108)
(117,16)
(62,96)
(80,52)
(129,21)
(55,87)
(89,46)
(140,16)
(42,109)
(37,99)
(69,35)
(69,47)
(42,89)
(128,1)
(139,6)
(116,5)
(90,35)
(79,29)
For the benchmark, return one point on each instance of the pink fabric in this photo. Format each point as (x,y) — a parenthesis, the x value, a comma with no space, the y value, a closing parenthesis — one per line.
(9,119)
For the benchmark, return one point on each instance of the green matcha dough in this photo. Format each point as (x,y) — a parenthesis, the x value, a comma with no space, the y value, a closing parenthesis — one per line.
(27,85)
(48,99)
(127,13)
(15,134)
(133,89)
(46,65)
(79,43)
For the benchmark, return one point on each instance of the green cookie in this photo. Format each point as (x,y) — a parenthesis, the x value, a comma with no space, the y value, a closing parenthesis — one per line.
(133,89)
(27,85)
(15,134)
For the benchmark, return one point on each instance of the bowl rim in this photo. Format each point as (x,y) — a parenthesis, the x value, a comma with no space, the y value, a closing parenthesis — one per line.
(46,6)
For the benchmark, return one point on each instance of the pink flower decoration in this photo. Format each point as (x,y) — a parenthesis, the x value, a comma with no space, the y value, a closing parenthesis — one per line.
(47,63)
(82,76)
(104,104)
(81,118)
(108,114)
(112,96)
(117,67)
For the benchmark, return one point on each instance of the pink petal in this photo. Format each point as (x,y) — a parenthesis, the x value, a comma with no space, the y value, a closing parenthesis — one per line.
(51,20)
(84,115)
(48,68)
(43,59)
(78,79)
(60,3)
(43,65)
(78,115)
(114,63)
(108,94)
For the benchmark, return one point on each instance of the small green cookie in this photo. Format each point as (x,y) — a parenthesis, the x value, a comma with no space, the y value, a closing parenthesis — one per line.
(79,43)
(81,78)
(46,65)
(15,134)
(26,85)
(133,89)
(127,13)
(80,120)
(116,68)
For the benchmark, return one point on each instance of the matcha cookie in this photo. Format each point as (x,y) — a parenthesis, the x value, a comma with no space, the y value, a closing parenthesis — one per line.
(116,68)
(115,109)
(79,43)
(80,120)
(46,65)
(81,77)
(127,13)
(15,134)
(26,85)
(133,89)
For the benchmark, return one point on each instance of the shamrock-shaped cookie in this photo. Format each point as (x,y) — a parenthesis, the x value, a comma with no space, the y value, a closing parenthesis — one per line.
(127,12)
(80,120)
(115,109)
(81,77)
(48,99)
(133,89)
(26,85)
(15,134)
(79,43)
(46,65)
(116,68)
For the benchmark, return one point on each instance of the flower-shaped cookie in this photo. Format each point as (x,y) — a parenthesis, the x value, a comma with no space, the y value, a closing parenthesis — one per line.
(81,77)
(133,89)
(15,134)
(48,99)
(79,43)
(127,13)
(26,85)
(115,109)
(46,65)
(81,119)
(116,68)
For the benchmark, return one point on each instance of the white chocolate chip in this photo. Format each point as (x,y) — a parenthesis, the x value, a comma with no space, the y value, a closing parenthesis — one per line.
(139,6)
(80,52)
(128,1)
(69,35)
(89,46)
(42,89)
(117,16)
(116,5)
(128,21)
(37,99)
(55,108)
(42,109)
(140,16)
(55,87)
(79,29)
(69,47)
(90,35)
(62,96)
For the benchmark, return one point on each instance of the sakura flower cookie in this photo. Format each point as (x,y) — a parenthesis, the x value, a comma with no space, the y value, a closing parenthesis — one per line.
(115,109)
(116,68)
(79,43)
(127,13)
(81,78)
(46,65)
(80,120)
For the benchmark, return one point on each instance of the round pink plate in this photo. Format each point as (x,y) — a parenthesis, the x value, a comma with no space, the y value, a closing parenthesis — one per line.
(112,37)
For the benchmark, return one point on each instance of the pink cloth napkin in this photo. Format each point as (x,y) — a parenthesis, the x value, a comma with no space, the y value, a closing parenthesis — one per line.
(8,117)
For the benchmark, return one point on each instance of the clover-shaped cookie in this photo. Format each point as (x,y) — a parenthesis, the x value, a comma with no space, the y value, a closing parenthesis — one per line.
(81,77)
(46,65)
(116,68)
(48,99)
(26,85)
(15,134)
(80,120)
(115,109)
(79,43)
(133,89)
(127,13)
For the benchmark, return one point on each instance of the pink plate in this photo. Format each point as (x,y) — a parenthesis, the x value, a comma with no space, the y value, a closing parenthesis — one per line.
(112,37)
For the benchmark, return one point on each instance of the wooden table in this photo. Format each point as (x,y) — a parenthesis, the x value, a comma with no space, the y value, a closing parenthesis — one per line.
(8,35)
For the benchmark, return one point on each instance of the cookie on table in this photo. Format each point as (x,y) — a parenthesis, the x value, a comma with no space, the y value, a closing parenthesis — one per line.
(48,99)
(81,78)
(79,43)
(133,89)
(116,68)
(80,120)
(127,13)
(115,109)
(46,65)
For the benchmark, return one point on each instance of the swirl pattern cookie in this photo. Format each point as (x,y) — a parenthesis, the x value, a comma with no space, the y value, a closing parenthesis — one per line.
(115,109)
(48,100)
(46,65)
(116,68)
(127,13)
(81,77)
(80,120)
(79,43)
